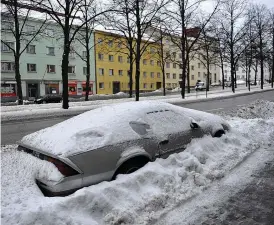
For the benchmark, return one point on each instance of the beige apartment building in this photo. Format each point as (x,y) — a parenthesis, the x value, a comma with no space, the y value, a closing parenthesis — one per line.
(197,68)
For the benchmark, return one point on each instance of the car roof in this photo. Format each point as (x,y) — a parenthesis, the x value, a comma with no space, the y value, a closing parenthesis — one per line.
(93,129)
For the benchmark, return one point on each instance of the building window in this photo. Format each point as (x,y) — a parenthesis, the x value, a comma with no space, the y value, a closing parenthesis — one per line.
(180,66)
(152,85)
(51,68)
(6,25)
(5,46)
(50,50)
(72,52)
(110,58)
(215,77)
(174,75)
(199,74)
(199,65)
(49,32)
(31,67)
(180,55)
(120,59)
(168,75)
(128,60)
(192,67)
(99,41)
(152,62)
(31,49)
(110,72)
(71,69)
(192,77)
(152,74)
(84,53)
(144,74)
(30,28)
(174,65)
(174,55)
(119,45)
(167,65)
(145,85)
(7,66)
(101,85)
(152,50)
(101,71)
(204,75)
(101,56)
(181,76)
(158,63)
(120,72)
(158,75)
(110,43)
(144,61)
(85,71)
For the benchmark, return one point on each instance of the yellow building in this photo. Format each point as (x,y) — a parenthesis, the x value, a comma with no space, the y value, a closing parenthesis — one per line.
(112,65)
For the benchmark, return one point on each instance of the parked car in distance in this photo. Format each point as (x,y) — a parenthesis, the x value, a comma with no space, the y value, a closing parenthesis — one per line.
(200,86)
(49,99)
(117,139)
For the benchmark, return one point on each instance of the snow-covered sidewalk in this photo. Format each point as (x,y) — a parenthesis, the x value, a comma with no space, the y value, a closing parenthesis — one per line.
(152,193)
(10,113)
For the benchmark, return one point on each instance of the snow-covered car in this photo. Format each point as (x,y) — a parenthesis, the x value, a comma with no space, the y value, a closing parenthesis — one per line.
(49,99)
(117,139)
(200,86)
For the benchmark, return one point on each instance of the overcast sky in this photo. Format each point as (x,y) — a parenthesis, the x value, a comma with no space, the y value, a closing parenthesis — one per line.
(268,3)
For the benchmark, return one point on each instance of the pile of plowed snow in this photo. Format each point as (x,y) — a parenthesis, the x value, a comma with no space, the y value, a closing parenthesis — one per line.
(138,198)
(257,109)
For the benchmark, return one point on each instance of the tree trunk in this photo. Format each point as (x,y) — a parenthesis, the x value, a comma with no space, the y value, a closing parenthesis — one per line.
(18,80)
(272,76)
(208,72)
(183,50)
(87,62)
(138,53)
(256,71)
(235,77)
(188,75)
(261,60)
(17,54)
(223,74)
(130,71)
(162,62)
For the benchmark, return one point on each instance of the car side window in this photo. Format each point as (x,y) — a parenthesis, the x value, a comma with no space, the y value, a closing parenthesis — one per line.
(139,127)
(167,122)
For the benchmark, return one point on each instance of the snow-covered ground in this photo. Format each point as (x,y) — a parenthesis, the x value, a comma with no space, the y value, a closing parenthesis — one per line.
(54,109)
(167,191)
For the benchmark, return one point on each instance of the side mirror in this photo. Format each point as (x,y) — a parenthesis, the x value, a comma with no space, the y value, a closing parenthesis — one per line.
(194,125)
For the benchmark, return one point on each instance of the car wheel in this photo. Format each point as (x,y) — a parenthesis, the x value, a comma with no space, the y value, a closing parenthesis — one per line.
(219,133)
(131,166)
(44,102)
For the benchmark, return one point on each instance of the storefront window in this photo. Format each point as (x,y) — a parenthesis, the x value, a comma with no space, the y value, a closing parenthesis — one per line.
(8,90)
(52,88)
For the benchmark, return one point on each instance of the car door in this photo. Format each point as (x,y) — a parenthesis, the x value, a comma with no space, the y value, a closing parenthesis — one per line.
(172,130)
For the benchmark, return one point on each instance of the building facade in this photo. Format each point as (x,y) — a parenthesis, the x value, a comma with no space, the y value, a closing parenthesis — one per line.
(241,73)
(112,65)
(40,63)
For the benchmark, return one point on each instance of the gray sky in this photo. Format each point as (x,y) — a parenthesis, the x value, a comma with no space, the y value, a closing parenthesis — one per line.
(268,3)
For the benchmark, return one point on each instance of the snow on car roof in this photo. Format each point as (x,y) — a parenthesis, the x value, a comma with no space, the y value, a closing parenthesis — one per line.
(93,129)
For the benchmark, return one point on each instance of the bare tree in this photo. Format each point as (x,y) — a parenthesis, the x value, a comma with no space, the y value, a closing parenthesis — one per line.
(85,35)
(66,13)
(260,22)
(183,14)
(15,20)
(230,15)
(272,47)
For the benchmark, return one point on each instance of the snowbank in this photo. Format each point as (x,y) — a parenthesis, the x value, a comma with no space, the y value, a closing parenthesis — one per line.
(257,109)
(139,198)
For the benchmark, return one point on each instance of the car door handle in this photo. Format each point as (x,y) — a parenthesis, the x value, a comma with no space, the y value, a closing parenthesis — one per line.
(164,142)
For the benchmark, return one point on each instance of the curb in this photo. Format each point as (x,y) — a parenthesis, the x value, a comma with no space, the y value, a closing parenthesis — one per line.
(77,112)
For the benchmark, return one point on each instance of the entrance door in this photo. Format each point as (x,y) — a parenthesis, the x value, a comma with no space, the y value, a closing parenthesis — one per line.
(116,87)
(158,85)
(33,91)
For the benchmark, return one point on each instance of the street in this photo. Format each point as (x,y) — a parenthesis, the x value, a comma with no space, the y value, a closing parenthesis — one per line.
(14,131)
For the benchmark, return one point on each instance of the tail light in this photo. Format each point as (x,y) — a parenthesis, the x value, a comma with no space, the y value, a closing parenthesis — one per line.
(61,166)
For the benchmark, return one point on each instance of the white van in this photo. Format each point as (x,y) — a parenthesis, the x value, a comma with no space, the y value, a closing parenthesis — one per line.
(200,86)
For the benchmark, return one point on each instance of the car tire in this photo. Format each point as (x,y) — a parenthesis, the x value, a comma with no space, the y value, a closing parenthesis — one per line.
(44,102)
(219,133)
(131,166)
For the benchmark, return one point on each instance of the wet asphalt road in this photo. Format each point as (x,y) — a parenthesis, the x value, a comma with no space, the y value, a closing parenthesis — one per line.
(254,205)
(14,131)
